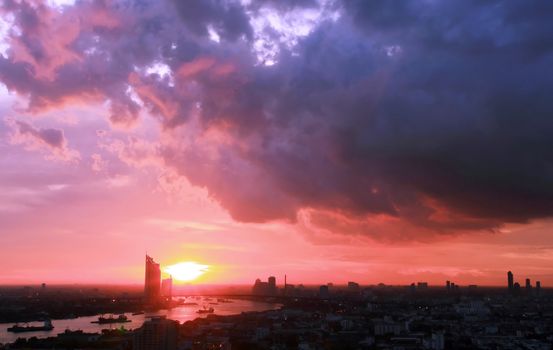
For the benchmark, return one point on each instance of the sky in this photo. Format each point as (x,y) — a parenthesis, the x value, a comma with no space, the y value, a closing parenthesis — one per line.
(389,141)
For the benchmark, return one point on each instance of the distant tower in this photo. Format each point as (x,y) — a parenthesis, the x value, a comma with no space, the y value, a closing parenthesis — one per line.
(510,281)
(528,285)
(538,287)
(152,283)
(448,285)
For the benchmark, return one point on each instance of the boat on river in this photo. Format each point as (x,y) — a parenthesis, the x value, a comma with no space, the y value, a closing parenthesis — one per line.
(111,319)
(47,326)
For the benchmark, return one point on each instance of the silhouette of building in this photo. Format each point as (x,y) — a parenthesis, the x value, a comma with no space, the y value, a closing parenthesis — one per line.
(510,281)
(152,284)
(265,288)
(516,288)
(448,285)
(158,333)
(528,285)
(353,287)
(167,288)
(538,287)
(272,282)
(422,285)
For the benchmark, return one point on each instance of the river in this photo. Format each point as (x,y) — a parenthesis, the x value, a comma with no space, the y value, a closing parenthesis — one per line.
(181,313)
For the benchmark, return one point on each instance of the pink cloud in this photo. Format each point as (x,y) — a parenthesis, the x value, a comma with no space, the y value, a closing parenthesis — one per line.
(98,163)
(47,35)
(50,141)
(136,152)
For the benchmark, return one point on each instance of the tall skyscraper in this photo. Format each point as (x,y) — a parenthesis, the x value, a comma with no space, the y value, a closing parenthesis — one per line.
(152,283)
(167,288)
(510,281)
(158,333)
(528,285)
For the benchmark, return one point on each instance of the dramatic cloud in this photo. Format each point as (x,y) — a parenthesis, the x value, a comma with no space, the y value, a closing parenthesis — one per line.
(388,118)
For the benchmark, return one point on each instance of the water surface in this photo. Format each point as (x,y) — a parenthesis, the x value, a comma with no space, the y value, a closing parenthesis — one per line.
(180,313)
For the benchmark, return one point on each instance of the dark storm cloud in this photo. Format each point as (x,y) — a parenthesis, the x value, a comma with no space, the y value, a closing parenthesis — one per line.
(285,5)
(433,113)
(465,116)
(226,17)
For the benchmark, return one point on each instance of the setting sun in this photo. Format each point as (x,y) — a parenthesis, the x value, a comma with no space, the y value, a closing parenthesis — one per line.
(186,271)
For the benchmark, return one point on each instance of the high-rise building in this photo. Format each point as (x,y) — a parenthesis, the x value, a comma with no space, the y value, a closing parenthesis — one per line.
(516,288)
(158,333)
(272,285)
(510,281)
(152,283)
(167,288)
(448,285)
(528,285)
(538,287)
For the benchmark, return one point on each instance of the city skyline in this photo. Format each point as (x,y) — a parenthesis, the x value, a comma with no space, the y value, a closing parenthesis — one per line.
(326,140)
(156,287)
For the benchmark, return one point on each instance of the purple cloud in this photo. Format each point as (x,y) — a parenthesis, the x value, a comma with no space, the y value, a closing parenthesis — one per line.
(50,141)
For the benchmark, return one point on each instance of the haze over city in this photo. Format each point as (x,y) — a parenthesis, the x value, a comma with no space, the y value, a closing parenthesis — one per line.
(331,141)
